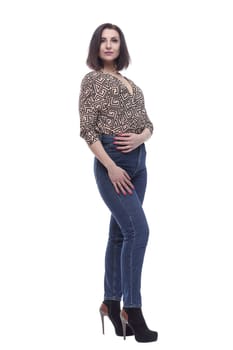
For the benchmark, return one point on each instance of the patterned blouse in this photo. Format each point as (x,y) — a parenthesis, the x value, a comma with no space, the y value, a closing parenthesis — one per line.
(107,107)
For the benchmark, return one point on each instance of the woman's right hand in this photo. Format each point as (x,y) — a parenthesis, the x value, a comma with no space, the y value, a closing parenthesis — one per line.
(120,180)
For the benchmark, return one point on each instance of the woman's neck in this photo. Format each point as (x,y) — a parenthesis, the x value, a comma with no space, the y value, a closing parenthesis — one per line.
(110,69)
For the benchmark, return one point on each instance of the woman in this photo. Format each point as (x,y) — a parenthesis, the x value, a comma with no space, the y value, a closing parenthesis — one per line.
(115,125)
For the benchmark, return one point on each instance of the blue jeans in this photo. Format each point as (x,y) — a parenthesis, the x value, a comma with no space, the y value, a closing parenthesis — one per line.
(128,230)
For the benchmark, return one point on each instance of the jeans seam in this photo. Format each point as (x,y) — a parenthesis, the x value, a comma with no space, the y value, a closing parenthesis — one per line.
(131,258)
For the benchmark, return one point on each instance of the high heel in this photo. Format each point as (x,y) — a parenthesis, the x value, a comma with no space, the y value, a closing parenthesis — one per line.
(124,322)
(111,308)
(133,317)
(103,312)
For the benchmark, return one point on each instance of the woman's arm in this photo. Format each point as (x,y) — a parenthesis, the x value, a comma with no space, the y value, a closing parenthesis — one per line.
(118,176)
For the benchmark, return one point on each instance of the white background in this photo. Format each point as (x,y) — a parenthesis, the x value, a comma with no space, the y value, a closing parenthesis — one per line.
(53,221)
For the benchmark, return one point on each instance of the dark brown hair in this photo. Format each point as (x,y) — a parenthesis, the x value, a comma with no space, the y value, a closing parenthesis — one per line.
(93,60)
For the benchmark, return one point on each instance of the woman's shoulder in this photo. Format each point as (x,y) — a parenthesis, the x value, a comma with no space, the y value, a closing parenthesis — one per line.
(90,77)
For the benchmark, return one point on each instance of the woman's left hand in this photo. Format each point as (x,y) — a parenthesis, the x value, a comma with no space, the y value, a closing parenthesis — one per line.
(127,142)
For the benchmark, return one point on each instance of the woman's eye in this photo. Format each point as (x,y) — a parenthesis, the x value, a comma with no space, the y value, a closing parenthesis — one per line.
(103,40)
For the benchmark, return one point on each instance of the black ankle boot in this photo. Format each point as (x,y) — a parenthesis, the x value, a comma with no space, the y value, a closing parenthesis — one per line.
(133,317)
(111,308)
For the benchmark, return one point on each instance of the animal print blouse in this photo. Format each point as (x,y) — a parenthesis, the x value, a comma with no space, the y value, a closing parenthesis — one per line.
(107,107)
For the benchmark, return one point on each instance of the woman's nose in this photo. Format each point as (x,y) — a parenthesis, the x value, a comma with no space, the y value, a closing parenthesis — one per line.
(108,44)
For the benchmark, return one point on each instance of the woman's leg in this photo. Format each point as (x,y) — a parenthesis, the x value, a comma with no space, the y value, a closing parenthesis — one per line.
(112,277)
(129,215)
(136,247)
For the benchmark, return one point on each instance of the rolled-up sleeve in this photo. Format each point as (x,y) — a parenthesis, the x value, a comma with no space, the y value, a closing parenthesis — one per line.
(87,111)
(148,124)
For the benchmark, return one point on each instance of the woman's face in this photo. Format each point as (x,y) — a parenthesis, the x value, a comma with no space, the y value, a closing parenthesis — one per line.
(109,45)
